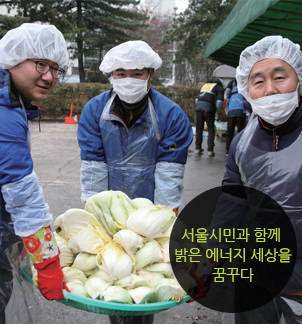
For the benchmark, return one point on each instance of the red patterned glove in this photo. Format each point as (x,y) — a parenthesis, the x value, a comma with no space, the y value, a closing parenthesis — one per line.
(43,250)
(51,279)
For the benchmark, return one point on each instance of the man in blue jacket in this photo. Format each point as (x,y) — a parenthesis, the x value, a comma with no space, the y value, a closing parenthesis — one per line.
(236,115)
(132,138)
(32,58)
(267,156)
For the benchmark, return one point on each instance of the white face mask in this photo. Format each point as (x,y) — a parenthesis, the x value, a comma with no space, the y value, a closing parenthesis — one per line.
(276,109)
(131,90)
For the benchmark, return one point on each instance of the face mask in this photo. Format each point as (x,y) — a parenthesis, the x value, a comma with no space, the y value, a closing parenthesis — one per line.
(276,109)
(130,90)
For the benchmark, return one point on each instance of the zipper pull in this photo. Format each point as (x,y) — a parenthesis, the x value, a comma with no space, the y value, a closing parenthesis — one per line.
(277,142)
(274,138)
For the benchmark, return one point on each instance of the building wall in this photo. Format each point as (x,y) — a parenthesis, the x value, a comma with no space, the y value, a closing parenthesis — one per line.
(165,6)
(3,11)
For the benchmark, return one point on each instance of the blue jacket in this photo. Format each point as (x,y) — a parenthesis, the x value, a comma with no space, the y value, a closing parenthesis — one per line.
(15,158)
(236,104)
(20,193)
(131,162)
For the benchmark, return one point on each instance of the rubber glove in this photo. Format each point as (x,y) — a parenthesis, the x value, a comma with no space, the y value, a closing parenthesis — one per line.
(202,273)
(43,250)
(51,279)
(202,288)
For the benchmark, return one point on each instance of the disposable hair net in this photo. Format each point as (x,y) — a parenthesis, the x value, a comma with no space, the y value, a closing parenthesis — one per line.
(130,56)
(270,47)
(33,41)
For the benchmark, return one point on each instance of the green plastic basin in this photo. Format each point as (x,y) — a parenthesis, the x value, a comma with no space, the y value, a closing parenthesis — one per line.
(111,308)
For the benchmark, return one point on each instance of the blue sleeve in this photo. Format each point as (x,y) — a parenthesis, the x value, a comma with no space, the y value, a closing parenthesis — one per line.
(15,158)
(24,198)
(177,135)
(89,132)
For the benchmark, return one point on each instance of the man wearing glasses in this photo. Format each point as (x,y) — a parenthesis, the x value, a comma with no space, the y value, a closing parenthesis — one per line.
(35,86)
(32,58)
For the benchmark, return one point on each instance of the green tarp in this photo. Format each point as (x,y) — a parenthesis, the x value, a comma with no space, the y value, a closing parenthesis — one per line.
(251,20)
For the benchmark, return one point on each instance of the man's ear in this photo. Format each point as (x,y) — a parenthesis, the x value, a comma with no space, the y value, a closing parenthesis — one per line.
(111,74)
(151,74)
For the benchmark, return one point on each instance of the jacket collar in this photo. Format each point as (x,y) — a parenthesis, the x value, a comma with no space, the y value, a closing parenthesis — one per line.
(294,121)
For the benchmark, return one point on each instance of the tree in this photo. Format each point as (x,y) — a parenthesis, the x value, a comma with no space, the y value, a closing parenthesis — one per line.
(7,23)
(193,73)
(153,33)
(191,30)
(97,77)
(90,26)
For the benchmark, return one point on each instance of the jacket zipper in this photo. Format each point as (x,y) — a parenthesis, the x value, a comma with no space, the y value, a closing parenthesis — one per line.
(275,139)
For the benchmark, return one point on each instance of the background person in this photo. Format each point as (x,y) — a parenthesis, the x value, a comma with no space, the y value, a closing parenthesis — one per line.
(132,138)
(229,88)
(236,116)
(32,58)
(209,100)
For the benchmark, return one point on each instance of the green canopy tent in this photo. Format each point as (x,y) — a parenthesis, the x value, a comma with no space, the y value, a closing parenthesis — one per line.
(251,20)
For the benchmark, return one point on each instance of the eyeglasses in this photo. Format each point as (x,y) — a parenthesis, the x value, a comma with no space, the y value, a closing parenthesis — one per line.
(43,68)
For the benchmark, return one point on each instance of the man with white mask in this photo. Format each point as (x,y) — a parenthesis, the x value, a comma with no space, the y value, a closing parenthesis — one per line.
(132,138)
(262,156)
(32,58)
(267,156)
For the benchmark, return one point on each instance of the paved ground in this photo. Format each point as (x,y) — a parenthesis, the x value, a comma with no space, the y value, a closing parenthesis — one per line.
(57,162)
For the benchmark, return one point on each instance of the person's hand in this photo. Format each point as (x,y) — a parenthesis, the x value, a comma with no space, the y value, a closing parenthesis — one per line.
(51,279)
(202,289)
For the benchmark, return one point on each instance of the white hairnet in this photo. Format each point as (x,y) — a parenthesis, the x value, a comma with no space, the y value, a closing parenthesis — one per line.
(130,56)
(33,41)
(270,47)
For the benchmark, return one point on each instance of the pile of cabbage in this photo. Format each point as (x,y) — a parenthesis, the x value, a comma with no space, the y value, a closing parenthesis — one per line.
(117,249)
